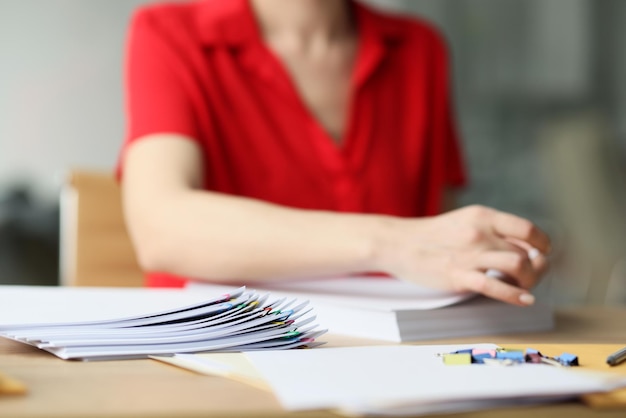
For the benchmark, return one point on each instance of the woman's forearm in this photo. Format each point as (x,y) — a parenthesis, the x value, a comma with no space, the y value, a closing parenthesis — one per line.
(219,237)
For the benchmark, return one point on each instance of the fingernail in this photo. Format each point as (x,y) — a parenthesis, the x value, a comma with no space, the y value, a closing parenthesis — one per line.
(533,253)
(527,298)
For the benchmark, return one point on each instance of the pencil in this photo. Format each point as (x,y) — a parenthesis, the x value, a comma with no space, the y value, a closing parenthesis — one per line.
(617,357)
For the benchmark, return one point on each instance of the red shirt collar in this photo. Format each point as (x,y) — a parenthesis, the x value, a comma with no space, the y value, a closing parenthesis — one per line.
(232,23)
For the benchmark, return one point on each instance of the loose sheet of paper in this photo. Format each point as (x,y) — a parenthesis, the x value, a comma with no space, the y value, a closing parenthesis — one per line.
(231,365)
(412,379)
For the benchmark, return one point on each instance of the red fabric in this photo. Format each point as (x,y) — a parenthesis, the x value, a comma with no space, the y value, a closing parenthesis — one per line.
(201,69)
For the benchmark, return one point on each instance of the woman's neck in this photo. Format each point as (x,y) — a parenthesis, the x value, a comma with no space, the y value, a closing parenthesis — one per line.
(303,24)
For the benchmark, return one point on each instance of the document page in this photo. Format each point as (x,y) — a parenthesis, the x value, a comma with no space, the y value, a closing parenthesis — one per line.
(37,304)
(413,379)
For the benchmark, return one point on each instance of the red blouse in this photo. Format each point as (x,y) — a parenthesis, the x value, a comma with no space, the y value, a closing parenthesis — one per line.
(201,69)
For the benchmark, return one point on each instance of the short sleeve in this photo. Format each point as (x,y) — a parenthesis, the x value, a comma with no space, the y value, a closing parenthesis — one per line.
(157,87)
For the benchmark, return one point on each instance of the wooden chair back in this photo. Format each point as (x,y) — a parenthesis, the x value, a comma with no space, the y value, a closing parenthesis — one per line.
(95,249)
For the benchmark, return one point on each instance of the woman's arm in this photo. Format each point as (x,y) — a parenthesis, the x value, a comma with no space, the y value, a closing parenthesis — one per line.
(179,228)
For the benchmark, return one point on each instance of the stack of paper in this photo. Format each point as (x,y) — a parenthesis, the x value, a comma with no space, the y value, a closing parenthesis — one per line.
(239,320)
(398,311)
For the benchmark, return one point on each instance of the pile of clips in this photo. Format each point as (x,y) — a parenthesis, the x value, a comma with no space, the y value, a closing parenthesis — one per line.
(506,357)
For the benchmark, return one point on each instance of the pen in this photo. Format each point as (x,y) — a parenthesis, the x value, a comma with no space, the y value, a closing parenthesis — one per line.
(617,357)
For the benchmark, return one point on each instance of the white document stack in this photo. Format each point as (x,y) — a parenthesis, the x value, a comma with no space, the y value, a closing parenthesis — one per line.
(395,310)
(239,320)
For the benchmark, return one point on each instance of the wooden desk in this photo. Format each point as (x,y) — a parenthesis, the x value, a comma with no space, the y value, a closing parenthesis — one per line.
(146,388)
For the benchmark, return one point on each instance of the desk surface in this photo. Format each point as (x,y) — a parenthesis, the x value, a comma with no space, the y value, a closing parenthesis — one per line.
(147,388)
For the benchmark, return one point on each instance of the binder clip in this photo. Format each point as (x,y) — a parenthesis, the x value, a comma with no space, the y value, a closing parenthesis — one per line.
(567,359)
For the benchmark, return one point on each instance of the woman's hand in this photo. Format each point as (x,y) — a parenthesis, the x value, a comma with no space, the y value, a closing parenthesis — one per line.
(460,250)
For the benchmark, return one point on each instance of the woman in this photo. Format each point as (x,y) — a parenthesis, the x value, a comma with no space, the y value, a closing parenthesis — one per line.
(280,139)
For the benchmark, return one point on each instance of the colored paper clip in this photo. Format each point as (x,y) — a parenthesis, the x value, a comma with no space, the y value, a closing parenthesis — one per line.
(567,359)
(533,358)
(551,361)
(516,356)
(506,357)
(499,362)
(457,359)
(480,358)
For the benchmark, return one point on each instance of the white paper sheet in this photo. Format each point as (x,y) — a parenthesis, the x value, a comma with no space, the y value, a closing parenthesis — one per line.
(231,365)
(412,379)
(386,294)
(36,304)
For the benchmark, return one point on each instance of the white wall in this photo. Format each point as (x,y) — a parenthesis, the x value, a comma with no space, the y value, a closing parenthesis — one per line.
(61,99)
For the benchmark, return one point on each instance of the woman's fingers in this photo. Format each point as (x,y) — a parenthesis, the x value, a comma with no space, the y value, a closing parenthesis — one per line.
(538,259)
(464,247)
(492,287)
(513,266)
(540,263)
(510,226)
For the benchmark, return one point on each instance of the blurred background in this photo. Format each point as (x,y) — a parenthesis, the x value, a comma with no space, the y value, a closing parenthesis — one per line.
(540,93)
